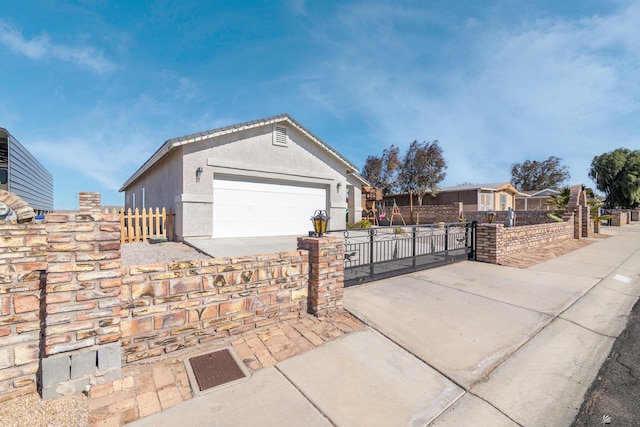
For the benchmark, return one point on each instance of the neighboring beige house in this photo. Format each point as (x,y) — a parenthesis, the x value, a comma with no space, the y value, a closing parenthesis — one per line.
(266,177)
(475,197)
(536,200)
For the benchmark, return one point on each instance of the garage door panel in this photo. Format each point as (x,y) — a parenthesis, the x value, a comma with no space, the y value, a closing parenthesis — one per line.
(245,208)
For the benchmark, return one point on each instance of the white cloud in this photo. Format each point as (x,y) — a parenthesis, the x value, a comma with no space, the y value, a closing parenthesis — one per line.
(42,48)
(492,93)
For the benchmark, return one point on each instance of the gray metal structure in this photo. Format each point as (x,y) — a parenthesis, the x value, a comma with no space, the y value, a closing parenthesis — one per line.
(381,252)
(21,173)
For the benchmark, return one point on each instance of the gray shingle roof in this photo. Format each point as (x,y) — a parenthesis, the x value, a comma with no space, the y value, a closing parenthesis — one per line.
(199,136)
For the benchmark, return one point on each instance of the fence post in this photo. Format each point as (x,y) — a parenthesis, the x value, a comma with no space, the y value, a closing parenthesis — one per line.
(81,304)
(371,247)
(326,273)
(414,233)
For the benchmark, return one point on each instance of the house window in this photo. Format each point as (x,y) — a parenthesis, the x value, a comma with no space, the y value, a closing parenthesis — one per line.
(503,202)
(280,136)
(486,201)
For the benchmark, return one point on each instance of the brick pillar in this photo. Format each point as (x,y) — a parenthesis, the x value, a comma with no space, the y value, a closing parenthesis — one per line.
(89,202)
(22,265)
(326,273)
(577,223)
(488,242)
(635,215)
(587,224)
(81,320)
(616,219)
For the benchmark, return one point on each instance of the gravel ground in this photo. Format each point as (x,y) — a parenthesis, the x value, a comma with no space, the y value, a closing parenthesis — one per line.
(139,253)
(30,410)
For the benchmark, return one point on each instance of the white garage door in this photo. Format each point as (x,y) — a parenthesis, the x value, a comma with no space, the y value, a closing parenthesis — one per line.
(244,208)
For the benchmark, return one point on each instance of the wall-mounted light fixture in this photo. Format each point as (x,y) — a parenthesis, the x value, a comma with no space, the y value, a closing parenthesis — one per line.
(490,216)
(339,186)
(198,173)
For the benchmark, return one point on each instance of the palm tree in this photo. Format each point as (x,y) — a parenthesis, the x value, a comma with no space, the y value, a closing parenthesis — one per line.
(560,201)
(594,212)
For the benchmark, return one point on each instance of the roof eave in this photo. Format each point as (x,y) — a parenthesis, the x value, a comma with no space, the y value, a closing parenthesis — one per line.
(170,144)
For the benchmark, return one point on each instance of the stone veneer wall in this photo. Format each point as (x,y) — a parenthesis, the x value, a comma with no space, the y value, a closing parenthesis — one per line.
(167,307)
(81,303)
(326,278)
(23,261)
(495,241)
(430,214)
(71,315)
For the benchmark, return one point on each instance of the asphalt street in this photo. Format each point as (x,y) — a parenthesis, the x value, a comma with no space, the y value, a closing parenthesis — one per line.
(614,397)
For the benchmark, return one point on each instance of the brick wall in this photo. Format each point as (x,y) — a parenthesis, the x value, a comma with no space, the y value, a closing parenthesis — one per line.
(22,265)
(167,307)
(89,202)
(430,214)
(620,218)
(495,241)
(522,217)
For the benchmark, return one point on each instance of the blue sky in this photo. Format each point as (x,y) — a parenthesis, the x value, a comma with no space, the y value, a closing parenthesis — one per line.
(93,87)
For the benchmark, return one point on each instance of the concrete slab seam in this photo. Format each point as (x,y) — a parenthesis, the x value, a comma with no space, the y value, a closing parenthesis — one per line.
(446,408)
(503,302)
(495,407)
(591,330)
(325,416)
(388,338)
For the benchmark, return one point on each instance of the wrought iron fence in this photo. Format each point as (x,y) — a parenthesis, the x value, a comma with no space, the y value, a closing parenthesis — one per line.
(375,253)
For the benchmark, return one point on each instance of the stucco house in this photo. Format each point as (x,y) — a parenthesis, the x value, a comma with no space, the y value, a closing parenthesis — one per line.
(265,177)
(475,197)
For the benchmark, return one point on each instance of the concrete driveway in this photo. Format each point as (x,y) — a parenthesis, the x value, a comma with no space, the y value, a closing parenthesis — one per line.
(524,345)
(241,246)
(463,344)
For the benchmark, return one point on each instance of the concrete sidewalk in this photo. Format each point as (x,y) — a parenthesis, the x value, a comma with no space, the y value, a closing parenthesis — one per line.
(464,344)
(241,246)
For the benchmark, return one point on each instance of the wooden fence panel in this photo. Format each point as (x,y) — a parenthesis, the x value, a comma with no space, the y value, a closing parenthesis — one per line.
(139,226)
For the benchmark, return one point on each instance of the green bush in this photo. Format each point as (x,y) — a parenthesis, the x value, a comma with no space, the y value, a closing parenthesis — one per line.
(363,223)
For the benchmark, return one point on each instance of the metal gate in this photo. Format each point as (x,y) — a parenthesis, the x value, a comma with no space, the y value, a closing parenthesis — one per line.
(377,253)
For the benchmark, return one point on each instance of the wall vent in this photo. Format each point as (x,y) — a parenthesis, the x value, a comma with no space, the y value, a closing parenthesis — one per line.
(280,136)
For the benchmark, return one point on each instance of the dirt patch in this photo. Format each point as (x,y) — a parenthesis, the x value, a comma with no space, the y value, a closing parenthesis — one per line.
(531,257)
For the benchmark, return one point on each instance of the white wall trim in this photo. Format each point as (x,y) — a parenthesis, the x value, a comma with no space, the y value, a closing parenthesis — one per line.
(193,198)
(249,171)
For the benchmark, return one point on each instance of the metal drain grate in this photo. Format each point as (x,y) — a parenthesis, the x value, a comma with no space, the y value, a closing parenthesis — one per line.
(215,369)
